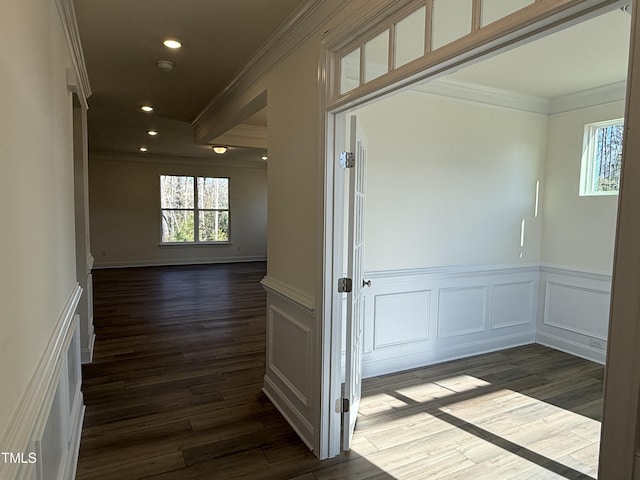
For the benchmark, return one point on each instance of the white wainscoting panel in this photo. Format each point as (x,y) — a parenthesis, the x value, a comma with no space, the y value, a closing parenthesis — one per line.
(46,428)
(418,317)
(574,311)
(292,365)
(461,311)
(290,340)
(401,318)
(513,304)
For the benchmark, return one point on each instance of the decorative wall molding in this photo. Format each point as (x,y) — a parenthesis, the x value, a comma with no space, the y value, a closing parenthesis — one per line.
(302,24)
(81,85)
(244,136)
(289,294)
(615,92)
(295,334)
(178,262)
(578,349)
(171,160)
(301,425)
(29,421)
(470,92)
(564,270)
(573,311)
(292,367)
(416,317)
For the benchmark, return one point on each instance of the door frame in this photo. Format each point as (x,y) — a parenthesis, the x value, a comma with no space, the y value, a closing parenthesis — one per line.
(626,283)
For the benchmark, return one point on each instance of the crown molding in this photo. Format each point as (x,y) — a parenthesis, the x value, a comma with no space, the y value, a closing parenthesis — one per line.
(615,92)
(448,87)
(244,136)
(301,25)
(81,84)
(466,91)
(209,162)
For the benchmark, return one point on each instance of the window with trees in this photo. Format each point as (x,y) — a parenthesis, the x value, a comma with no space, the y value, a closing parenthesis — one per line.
(602,158)
(194,209)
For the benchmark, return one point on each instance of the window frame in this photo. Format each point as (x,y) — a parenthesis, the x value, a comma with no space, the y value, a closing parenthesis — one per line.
(588,162)
(196,213)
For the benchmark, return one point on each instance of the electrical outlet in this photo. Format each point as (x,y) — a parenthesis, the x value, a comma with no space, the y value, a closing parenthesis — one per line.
(596,343)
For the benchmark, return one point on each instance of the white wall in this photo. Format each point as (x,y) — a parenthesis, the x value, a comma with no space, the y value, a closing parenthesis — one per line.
(577,243)
(577,231)
(36,172)
(40,399)
(449,183)
(124,197)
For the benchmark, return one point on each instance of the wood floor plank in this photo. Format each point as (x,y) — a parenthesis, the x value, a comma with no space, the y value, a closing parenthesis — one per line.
(175,393)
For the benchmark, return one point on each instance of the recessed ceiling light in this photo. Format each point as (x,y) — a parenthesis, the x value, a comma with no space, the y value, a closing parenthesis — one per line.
(143,149)
(265,158)
(153,133)
(172,43)
(146,108)
(219,149)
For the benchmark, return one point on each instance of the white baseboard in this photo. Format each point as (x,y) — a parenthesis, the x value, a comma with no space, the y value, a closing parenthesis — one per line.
(574,348)
(87,353)
(177,262)
(439,355)
(301,426)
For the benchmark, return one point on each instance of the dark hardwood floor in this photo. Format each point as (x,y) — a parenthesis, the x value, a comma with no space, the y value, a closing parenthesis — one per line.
(174,392)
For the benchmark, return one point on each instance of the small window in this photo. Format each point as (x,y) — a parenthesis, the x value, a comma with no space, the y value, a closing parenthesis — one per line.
(194,209)
(601,158)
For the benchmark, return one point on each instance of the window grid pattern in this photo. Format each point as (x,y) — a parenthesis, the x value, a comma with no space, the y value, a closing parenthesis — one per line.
(602,158)
(194,209)
(434,24)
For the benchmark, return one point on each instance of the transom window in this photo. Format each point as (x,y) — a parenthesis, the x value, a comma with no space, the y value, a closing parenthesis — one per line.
(194,209)
(601,158)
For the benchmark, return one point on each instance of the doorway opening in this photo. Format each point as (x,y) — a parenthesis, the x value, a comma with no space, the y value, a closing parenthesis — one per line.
(477,237)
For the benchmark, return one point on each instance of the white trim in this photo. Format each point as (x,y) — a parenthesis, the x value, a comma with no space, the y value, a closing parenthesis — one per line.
(177,262)
(545,317)
(568,346)
(470,92)
(81,85)
(444,354)
(289,294)
(36,399)
(301,24)
(244,135)
(456,270)
(304,399)
(87,353)
(588,273)
(172,160)
(300,424)
(615,92)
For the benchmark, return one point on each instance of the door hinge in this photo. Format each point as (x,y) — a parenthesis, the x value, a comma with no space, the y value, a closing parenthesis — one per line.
(347,160)
(345,285)
(344,405)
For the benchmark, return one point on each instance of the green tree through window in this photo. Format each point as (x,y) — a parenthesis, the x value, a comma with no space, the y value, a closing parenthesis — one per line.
(602,158)
(194,209)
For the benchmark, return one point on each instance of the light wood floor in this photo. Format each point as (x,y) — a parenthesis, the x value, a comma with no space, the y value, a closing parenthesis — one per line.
(174,392)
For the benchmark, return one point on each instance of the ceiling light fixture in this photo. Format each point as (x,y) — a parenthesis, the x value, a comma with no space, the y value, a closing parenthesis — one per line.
(219,149)
(172,43)
(144,149)
(146,108)
(165,65)
(153,133)
(265,158)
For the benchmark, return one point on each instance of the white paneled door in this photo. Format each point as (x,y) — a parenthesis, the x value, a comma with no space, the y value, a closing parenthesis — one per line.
(355,305)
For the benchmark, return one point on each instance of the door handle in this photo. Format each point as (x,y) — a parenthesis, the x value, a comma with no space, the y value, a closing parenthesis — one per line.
(366,283)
